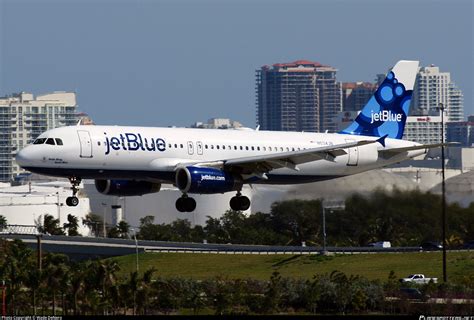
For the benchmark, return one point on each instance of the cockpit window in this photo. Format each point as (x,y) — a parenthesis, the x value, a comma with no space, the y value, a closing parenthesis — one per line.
(50,141)
(59,142)
(39,141)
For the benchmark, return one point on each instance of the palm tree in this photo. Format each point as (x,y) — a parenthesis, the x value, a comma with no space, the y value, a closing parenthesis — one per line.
(17,257)
(76,285)
(106,273)
(51,226)
(144,291)
(133,286)
(3,223)
(94,222)
(72,225)
(33,281)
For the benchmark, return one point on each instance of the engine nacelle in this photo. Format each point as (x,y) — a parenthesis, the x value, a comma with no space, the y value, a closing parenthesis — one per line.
(206,180)
(126,187)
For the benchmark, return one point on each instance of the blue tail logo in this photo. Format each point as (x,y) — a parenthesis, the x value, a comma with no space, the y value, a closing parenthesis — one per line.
(386,112)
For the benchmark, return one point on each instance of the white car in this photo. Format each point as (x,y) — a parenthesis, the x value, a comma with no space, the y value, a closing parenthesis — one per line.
(381,244)
(418,278)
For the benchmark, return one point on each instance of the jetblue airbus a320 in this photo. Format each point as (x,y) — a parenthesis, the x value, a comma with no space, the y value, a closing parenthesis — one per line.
(131,161)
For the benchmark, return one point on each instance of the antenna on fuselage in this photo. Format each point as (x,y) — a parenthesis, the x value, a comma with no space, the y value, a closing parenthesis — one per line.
(257,128)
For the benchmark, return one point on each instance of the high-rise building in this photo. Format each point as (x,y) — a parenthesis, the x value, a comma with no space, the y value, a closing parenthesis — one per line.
(425,129)
(356,94)
(23,118)
(217,123)
(462,132)
(298,96)
(434,87)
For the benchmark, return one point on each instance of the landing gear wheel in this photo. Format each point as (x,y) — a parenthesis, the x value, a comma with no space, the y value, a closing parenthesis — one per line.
(235,203)
(244,203)
(239,203)
(185,204)
(72,201)
(190,204)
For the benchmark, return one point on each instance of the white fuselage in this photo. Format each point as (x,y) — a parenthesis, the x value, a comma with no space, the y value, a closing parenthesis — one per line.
(142,153)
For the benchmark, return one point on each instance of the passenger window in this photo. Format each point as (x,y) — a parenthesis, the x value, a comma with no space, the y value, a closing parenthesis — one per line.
(253,149)
(223,147)
(258,148)
(292,149)
(212,146)
(281,148)
(59,142)
(205,146)
(264,149)
(181,146)
(169,145)
(287,149)
(50,141)
(241,148)
(175,145)
(246,147)
(217,147)
(269,148)
(235,147)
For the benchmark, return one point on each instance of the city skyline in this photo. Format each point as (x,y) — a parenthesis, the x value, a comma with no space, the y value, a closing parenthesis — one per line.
(171,63)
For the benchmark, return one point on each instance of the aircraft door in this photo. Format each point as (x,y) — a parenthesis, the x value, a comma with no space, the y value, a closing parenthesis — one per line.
(85,143)
(199,148)
(352,155)
(190,147)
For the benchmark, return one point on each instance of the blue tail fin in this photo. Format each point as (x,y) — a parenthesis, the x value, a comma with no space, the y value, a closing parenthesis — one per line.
(386,112)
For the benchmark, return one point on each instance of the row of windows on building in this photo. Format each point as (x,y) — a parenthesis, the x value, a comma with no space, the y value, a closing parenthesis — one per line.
(34,110)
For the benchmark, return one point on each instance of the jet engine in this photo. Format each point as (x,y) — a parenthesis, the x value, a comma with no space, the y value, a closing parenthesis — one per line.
(205,180)
(126,187)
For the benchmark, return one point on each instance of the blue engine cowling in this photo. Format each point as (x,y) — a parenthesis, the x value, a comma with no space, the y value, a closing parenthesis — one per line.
(126,187)
(206,180)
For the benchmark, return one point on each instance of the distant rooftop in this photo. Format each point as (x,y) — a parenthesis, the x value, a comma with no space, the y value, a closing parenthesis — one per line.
(296,64)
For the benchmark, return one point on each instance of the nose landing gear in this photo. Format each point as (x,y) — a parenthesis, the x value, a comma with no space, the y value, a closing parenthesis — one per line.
(185,204)
(73,201)
(239,202)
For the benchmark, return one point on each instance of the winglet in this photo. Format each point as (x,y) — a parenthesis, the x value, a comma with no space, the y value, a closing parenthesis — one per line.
(381,140)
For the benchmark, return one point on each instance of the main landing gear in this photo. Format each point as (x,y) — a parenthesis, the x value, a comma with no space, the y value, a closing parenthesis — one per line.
(239,202)
(185,204)
(188,204)
(73,201)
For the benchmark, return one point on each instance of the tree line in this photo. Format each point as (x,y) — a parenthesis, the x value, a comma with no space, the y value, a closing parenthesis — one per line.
(406,218)
(62,287)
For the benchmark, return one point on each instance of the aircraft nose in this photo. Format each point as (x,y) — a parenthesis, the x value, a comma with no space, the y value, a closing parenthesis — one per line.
(24,157)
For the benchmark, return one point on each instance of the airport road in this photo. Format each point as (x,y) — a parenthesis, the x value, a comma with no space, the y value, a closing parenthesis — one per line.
(89,247)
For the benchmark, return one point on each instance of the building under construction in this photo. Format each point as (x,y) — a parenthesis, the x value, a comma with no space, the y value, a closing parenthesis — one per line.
(298,96)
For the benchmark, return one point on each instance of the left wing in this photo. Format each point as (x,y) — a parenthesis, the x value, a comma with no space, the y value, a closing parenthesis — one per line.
(261,164)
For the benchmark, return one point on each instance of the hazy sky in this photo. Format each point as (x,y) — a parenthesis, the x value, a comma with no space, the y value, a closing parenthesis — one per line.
(160,63)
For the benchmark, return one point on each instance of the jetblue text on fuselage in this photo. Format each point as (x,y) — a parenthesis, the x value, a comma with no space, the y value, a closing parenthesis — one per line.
(385,115)
(133,142)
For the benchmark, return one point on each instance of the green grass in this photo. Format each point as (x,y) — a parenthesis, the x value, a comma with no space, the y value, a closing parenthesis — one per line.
(371,266)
